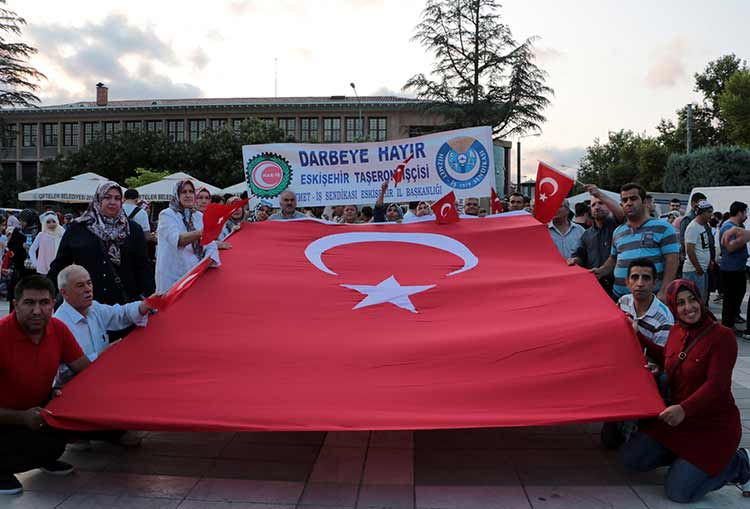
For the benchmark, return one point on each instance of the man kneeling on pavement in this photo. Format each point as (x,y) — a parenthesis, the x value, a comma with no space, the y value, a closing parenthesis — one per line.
(89,322)
(651,320)
(33,346)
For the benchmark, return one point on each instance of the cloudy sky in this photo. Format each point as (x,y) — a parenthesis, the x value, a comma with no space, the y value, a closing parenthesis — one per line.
(612,64)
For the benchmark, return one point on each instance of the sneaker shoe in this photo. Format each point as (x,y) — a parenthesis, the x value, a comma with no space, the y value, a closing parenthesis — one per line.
(10,485)
(745,487)
(79,445)
(739,319)
(718,297)
(57,468)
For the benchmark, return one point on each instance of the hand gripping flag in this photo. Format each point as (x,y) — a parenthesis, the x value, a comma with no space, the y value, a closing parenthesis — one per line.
(445,209)
(398,175)
(497,203)
(475,326)
(552,186)
(215,217)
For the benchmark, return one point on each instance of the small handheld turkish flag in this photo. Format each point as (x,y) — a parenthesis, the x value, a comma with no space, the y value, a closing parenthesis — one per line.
(497,204)
(214,218)
(445,209)
(552,186)
(398,175)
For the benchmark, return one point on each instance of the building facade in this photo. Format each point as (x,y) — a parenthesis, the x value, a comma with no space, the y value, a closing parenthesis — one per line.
(34,135)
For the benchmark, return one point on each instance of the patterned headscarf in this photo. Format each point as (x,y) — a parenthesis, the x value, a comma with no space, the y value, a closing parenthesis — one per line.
(398,209)
(112,231)
(185,214)
(706,319)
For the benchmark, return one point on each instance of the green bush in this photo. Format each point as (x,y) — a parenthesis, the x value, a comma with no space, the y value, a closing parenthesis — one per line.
(715,166)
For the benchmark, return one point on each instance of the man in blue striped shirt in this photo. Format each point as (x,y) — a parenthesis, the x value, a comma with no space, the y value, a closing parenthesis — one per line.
(641,237)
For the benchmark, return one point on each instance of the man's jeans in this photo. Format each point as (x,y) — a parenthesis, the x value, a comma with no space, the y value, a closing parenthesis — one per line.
(685,482)
(700,281)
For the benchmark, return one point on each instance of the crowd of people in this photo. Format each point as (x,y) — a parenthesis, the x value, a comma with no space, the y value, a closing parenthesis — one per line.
(99,268)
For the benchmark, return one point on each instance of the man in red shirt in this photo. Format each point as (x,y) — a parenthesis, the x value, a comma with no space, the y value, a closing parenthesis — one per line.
(32,347)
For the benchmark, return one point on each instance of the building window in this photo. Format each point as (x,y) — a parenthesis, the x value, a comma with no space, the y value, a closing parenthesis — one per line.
(331,129)
(289,126)
(218,123)
(49,135)
(133,125)
(10,140)
(154,126)
(196,129)
(176,130)
(308,129)
(29,135)
(70,134)
(90,131)
(237,123)
(110,129)
(378,127)
(354,129)
(266,120)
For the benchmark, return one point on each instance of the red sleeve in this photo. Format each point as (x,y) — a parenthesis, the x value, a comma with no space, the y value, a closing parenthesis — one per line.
(718,377)
(654,351)
(70,349)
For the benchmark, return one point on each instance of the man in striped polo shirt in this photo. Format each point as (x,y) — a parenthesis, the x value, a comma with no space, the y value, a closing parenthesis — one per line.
(641,237)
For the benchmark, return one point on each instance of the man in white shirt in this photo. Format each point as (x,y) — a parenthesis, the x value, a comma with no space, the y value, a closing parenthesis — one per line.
(698,248)
(136,213)
(89,321)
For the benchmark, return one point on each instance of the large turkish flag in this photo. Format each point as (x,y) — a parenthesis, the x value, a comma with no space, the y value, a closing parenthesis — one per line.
(314,326)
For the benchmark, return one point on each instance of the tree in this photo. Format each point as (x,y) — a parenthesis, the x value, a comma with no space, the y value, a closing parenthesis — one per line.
(705,134)
(735,108)
(144,176)
(624,157)
(482,75)
(712,81)
(17,78)
(712,166)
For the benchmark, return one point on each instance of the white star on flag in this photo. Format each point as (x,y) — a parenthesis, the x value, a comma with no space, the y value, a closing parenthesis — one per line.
(543,197)
(388,290)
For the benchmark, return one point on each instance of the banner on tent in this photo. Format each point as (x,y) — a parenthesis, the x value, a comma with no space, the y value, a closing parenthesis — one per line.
(336,174)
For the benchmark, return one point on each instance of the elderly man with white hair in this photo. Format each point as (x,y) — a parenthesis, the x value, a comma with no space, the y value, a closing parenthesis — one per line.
(89,322)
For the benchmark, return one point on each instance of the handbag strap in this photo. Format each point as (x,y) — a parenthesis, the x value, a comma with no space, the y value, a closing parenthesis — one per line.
(683,354)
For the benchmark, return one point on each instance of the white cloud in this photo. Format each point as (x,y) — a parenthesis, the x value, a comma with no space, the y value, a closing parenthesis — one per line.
(668,65)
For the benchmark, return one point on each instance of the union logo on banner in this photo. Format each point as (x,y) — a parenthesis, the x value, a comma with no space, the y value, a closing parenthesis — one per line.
(268,174)
(463,162)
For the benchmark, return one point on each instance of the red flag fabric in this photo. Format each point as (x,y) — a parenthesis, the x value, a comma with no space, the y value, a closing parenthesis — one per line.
(552,186)
(478,324)
(398,175)
(445,209)
(161,302)
(215,217)
(497,203)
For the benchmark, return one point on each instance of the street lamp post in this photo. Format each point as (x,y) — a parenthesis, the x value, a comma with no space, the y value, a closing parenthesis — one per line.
(361,125)
(518,159)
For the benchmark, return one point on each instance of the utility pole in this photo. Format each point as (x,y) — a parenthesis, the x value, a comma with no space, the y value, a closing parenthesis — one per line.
(361,129)
(690,128)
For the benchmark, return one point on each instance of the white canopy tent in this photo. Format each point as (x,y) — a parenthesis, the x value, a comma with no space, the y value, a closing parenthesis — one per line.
(586,196)
(163,189)
(236,189)
(79,189)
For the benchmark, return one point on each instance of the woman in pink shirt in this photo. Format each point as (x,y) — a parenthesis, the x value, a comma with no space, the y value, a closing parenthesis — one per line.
(44,248)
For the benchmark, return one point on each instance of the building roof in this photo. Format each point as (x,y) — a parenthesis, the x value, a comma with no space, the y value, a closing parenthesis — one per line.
(261,103)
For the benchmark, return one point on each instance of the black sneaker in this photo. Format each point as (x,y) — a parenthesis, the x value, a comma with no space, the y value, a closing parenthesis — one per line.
(10,485)
(57,468)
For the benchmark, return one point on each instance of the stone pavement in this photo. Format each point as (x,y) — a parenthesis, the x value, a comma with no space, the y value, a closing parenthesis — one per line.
(543,467)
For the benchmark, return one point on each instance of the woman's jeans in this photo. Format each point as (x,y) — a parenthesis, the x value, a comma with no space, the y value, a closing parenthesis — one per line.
(685,482)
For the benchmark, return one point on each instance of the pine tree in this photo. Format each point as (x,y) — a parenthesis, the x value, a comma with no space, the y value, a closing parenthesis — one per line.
(18,80)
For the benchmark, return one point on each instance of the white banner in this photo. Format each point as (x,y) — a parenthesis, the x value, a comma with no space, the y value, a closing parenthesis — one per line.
(338,174)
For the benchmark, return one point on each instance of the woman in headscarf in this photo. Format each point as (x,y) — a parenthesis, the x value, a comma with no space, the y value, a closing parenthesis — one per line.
(697,434)
(202,199)
(261,212)
(179,233)
(19,243)
(391,213)
(110,247)
(44,248)
(235,220)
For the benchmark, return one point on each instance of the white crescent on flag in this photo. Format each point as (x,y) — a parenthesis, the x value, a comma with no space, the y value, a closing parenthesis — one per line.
(443,211)
(549,180)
